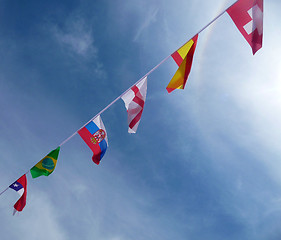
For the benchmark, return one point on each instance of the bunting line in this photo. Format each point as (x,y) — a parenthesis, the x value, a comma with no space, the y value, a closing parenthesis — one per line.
(4,191)
(147,74)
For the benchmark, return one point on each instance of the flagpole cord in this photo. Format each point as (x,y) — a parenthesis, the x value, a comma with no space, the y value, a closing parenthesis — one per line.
(218,16)
(4,191)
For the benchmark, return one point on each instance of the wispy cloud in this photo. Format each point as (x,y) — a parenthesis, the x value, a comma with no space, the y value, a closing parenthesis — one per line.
(148,18)
(77,37)
(28,225)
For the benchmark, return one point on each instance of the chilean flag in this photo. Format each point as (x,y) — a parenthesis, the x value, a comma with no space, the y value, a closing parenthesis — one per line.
(20,187)
(95,136)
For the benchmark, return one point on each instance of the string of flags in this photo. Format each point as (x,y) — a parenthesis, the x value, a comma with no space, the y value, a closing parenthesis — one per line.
(247,15)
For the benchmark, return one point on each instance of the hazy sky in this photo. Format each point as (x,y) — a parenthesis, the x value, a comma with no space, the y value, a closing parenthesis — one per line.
(205,163)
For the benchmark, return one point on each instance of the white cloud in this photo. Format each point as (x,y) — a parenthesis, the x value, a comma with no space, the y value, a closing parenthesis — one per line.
(39,220)
(148,18)
(77,37)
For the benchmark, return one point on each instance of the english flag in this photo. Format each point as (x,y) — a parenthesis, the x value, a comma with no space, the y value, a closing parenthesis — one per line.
(20,187)
(134,101)
(248,18)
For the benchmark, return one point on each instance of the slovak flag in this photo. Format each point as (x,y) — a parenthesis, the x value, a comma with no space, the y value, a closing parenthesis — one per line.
(248,18)
(20,187)
(134,100)
(95,136)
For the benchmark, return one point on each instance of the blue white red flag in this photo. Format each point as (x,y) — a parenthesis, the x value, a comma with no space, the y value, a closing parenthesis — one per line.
(95,136)
(20,187)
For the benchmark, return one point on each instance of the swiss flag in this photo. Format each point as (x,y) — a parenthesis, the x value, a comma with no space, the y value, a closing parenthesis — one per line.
(248,18)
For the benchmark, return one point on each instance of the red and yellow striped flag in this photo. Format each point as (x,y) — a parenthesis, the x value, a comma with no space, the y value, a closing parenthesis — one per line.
(183,57)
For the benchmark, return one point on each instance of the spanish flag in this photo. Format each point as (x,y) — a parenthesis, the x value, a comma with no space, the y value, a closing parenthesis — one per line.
(183,57)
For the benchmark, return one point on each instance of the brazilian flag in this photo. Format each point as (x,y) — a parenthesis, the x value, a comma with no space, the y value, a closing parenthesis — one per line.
(47,165)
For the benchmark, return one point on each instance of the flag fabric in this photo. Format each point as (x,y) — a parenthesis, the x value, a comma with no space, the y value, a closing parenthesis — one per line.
(247,15)
(47,165)
(95,136)
(183,57)
(134,101)
(20,186)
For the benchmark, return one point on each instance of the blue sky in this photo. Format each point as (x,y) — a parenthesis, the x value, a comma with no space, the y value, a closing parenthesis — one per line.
(205,162)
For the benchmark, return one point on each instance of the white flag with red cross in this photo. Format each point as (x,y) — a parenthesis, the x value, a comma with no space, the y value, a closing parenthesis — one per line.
(134,100)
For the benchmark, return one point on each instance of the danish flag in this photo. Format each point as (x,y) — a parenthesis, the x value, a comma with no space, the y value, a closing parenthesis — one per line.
(134,100)
(248,18)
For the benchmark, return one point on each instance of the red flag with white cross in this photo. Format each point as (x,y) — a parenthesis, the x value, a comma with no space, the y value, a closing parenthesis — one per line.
(248,18)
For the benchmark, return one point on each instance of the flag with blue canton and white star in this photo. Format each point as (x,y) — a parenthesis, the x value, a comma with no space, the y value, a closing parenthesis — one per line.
(20,187)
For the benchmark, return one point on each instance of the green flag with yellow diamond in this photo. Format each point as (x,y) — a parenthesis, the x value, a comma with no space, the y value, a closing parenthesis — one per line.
(47,165)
